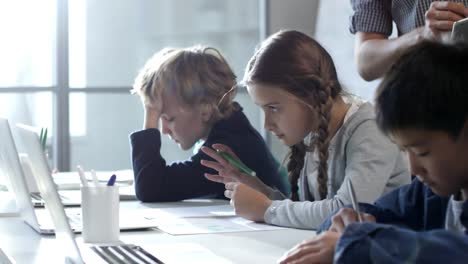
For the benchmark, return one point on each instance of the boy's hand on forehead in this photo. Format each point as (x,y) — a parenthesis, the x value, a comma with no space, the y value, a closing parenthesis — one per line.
(153,111)
(157,104)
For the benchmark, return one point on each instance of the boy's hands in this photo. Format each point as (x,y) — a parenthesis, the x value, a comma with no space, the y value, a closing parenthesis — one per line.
(248,203)
(346,216)
(320,249)
(153,112)
(228,172)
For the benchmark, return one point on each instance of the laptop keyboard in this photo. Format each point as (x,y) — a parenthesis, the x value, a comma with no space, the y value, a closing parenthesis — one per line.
(125,254)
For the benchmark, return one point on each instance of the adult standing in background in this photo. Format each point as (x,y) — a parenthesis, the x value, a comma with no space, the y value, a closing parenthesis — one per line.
(415,20)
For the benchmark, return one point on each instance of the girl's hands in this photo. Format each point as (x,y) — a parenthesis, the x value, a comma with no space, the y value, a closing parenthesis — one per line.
(229,173)
(248,194)
(248,203)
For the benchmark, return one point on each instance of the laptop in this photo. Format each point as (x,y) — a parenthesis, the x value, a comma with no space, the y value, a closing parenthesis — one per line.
(115,253)
(9,152)
(69,197)
(38,218)
(4,258)
(68,182)
(9,162)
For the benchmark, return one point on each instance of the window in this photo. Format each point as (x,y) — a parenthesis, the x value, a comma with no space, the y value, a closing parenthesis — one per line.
(28,39)
(108,42)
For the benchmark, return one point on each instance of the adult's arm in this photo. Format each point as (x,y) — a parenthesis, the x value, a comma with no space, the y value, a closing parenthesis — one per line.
(375,52)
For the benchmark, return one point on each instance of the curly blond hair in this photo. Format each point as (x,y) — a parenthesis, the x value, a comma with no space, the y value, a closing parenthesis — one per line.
(196,75)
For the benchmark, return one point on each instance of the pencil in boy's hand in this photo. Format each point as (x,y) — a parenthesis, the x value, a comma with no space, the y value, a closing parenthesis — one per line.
(236,163)
(354,201)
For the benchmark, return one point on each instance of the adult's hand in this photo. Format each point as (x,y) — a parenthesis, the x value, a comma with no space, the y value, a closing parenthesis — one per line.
(440,17)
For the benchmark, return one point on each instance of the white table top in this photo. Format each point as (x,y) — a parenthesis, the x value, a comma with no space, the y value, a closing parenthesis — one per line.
(24,245)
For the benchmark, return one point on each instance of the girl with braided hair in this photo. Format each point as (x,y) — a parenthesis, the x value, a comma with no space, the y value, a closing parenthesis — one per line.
(333,138)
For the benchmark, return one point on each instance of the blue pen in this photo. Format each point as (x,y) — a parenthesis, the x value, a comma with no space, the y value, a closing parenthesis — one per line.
(111,180)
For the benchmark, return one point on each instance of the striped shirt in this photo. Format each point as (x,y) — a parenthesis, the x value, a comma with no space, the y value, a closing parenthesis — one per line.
(377,16)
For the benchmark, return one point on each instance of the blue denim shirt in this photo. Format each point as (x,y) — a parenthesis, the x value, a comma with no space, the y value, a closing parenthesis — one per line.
(417,233)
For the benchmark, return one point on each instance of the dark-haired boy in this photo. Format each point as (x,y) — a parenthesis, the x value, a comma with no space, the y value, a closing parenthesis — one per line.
(422,104)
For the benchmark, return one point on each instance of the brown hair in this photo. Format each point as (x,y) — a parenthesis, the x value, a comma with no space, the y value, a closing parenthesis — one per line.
(197,75)
(298,64)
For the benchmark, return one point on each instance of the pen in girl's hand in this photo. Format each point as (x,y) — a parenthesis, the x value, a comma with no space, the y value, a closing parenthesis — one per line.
(236,163)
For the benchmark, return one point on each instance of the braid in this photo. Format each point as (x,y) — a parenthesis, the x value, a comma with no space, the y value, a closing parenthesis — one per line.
(322,141)
(300,66)
(295,164)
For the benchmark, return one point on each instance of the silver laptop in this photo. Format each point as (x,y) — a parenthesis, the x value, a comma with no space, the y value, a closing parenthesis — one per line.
(69,198)
(68,182)
(4,258)
(38,218)
(9,161)
(118,253)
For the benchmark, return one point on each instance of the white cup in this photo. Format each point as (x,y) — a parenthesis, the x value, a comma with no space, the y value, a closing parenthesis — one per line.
(100,212)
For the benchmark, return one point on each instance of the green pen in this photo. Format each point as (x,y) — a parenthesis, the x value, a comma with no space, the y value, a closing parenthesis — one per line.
(236,163)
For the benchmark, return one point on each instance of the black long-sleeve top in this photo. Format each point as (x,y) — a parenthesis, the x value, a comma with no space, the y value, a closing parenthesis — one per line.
(156,181)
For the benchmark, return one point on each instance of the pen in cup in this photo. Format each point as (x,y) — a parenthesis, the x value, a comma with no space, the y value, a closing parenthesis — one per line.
(111,181)
(354,201)
(94,177)
(236,163)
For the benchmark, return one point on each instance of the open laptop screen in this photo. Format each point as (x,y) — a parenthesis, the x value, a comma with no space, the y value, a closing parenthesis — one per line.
(63,232)
(10,164)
